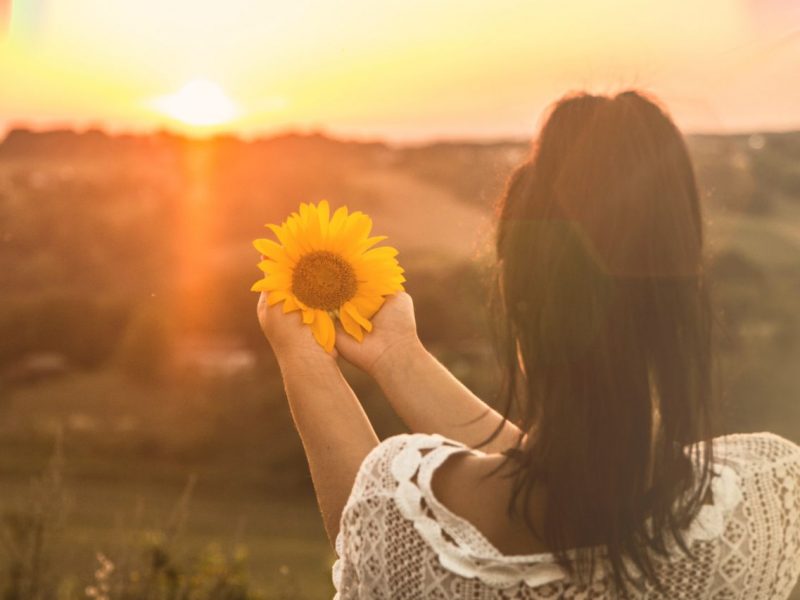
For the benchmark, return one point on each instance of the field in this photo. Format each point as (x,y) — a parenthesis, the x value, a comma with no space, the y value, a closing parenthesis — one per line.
(128,337)
(281,543)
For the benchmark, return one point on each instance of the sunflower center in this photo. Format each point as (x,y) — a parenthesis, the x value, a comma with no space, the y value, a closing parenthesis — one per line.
(323,280)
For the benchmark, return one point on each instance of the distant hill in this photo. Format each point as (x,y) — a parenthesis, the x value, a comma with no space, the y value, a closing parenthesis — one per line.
(741,172)
(22,142)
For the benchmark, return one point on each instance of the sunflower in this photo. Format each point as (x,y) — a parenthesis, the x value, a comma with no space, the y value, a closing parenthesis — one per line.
(326,267)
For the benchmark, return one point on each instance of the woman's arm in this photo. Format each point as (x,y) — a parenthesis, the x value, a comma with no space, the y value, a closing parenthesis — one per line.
(430,399)
(426,396)
(334,429)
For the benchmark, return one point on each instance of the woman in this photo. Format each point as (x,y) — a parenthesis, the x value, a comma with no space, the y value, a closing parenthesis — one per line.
(601,478)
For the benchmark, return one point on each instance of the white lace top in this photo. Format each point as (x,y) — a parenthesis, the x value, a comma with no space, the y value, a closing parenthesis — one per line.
(398,541)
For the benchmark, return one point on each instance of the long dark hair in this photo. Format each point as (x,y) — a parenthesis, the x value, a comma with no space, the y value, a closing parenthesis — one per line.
(604,335)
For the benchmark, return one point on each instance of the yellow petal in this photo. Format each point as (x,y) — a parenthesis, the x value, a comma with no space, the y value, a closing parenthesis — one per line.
(355,231)
(276,296)
(339,218)
(297,232)
(286,240)
(290,304)
(317,328)
(323,215)
(382,253)
(269,249)
(350,308)
(270,266)
(379,289)
(259,286)
(331,341)
(373,273)
(304,212)
(367,305)
(382,287)
(323,330)
(350,326)
(368,243)
(313,229)
(279,232)
(277,281)
(308,316)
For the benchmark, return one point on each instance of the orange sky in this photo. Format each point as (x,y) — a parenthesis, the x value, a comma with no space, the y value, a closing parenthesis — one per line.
(410,69)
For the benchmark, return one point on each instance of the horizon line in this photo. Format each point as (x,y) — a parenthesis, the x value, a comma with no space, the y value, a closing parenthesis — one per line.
(332,134)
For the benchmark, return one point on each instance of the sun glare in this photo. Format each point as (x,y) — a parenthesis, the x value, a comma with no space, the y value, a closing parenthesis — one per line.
(199,103)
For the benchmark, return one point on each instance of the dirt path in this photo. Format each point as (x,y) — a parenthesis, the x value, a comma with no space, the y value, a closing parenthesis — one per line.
(421,218)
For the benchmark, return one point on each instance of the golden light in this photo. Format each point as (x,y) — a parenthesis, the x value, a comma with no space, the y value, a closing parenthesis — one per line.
(199,103)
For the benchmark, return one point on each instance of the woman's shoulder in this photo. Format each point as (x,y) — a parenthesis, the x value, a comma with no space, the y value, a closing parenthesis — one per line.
(389,464)
(750,453)
(409,444)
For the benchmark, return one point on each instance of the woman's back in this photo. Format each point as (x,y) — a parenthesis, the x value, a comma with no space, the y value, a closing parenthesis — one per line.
(398,540)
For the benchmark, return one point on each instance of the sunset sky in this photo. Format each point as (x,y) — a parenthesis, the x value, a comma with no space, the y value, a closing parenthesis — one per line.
(404,70)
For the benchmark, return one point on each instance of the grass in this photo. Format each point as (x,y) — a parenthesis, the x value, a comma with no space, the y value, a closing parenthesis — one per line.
(770,241)
(121,486)
(287,554)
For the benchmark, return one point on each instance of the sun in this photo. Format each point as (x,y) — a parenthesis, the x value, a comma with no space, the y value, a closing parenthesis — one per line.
(199,103)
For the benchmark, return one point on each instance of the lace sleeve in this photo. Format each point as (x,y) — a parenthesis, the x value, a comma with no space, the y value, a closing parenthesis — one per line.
(367,516)
(770,470)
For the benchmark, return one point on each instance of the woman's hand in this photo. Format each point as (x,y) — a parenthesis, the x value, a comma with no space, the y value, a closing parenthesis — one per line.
(394,330)
(289,338)
(423,393)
